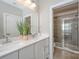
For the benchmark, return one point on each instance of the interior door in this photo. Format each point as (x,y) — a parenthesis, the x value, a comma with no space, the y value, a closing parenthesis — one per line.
(10,24)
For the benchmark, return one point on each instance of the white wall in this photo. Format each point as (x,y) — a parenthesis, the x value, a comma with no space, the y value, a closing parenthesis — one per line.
(45,12)
(45,20)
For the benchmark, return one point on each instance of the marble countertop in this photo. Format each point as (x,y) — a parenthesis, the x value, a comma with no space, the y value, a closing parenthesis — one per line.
(18,44)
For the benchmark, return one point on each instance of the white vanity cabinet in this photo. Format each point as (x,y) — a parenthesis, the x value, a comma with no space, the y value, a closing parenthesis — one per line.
(13,55)
(41,49)
(27,52)
(30,50)
(38,50)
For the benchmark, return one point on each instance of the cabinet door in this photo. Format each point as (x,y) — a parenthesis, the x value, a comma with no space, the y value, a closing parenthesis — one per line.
(27,53)
(11,56)
(46,48)
(41,50)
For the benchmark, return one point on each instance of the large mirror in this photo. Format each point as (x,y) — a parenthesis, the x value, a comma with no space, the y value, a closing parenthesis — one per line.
(10,22)
(10,16)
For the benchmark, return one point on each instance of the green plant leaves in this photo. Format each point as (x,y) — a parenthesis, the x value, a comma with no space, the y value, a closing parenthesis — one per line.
(20,27)
(23,28)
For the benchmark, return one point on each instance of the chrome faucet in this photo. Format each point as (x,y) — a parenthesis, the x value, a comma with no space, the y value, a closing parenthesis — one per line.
(34,35)
(7,38)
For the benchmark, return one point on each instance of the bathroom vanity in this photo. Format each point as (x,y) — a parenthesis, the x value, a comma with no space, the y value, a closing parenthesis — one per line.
(36,48)
(10,16)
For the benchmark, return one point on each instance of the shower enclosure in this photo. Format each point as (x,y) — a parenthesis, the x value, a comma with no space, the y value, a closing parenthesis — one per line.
(66,26)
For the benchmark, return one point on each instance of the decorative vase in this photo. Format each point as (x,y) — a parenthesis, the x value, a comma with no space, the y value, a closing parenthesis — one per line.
(30,37)
(20,37)
(25,37)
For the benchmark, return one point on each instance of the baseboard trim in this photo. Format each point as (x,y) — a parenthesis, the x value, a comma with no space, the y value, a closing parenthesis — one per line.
(67,49)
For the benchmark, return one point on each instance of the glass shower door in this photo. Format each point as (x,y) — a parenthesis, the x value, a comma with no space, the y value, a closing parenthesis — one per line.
(67,31)
(71,32)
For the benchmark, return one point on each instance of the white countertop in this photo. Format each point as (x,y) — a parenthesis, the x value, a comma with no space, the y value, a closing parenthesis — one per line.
(11,47)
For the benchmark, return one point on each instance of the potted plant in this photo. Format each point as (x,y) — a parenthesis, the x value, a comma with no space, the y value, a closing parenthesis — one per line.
(26,30)
(20,29)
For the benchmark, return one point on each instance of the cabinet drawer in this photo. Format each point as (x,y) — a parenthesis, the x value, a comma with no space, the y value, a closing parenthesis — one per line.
(13,55)
(27,53)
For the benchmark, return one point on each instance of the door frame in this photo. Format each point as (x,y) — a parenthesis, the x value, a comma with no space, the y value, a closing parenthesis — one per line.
(29,15)
(5,14)
(63,3)
(4,20)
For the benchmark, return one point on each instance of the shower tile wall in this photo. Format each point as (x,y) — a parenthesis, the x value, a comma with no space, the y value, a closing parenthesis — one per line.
(58,32)
(66,28)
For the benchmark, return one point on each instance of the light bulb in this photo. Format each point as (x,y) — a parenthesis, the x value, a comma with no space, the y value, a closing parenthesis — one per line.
(33,5)
(28,2)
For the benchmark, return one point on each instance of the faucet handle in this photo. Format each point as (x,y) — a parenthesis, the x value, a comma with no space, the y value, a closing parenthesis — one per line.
(3,35)
(7,34)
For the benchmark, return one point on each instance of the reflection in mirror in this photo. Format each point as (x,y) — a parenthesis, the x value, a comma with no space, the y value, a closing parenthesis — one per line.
(10,24)
(27,19)
(9,15)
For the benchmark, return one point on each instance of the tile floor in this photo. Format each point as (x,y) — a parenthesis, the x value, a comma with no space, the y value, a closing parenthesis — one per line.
(62,54)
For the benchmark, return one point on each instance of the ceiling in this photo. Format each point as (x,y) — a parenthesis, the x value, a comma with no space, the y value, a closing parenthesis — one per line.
(15,4)
(12,2)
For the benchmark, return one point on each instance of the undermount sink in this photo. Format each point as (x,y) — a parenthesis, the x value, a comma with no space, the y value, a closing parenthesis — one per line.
(13,42)
(9,46)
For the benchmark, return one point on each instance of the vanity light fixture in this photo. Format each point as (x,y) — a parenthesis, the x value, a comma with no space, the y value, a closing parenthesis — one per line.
(33,5)
(29,3)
